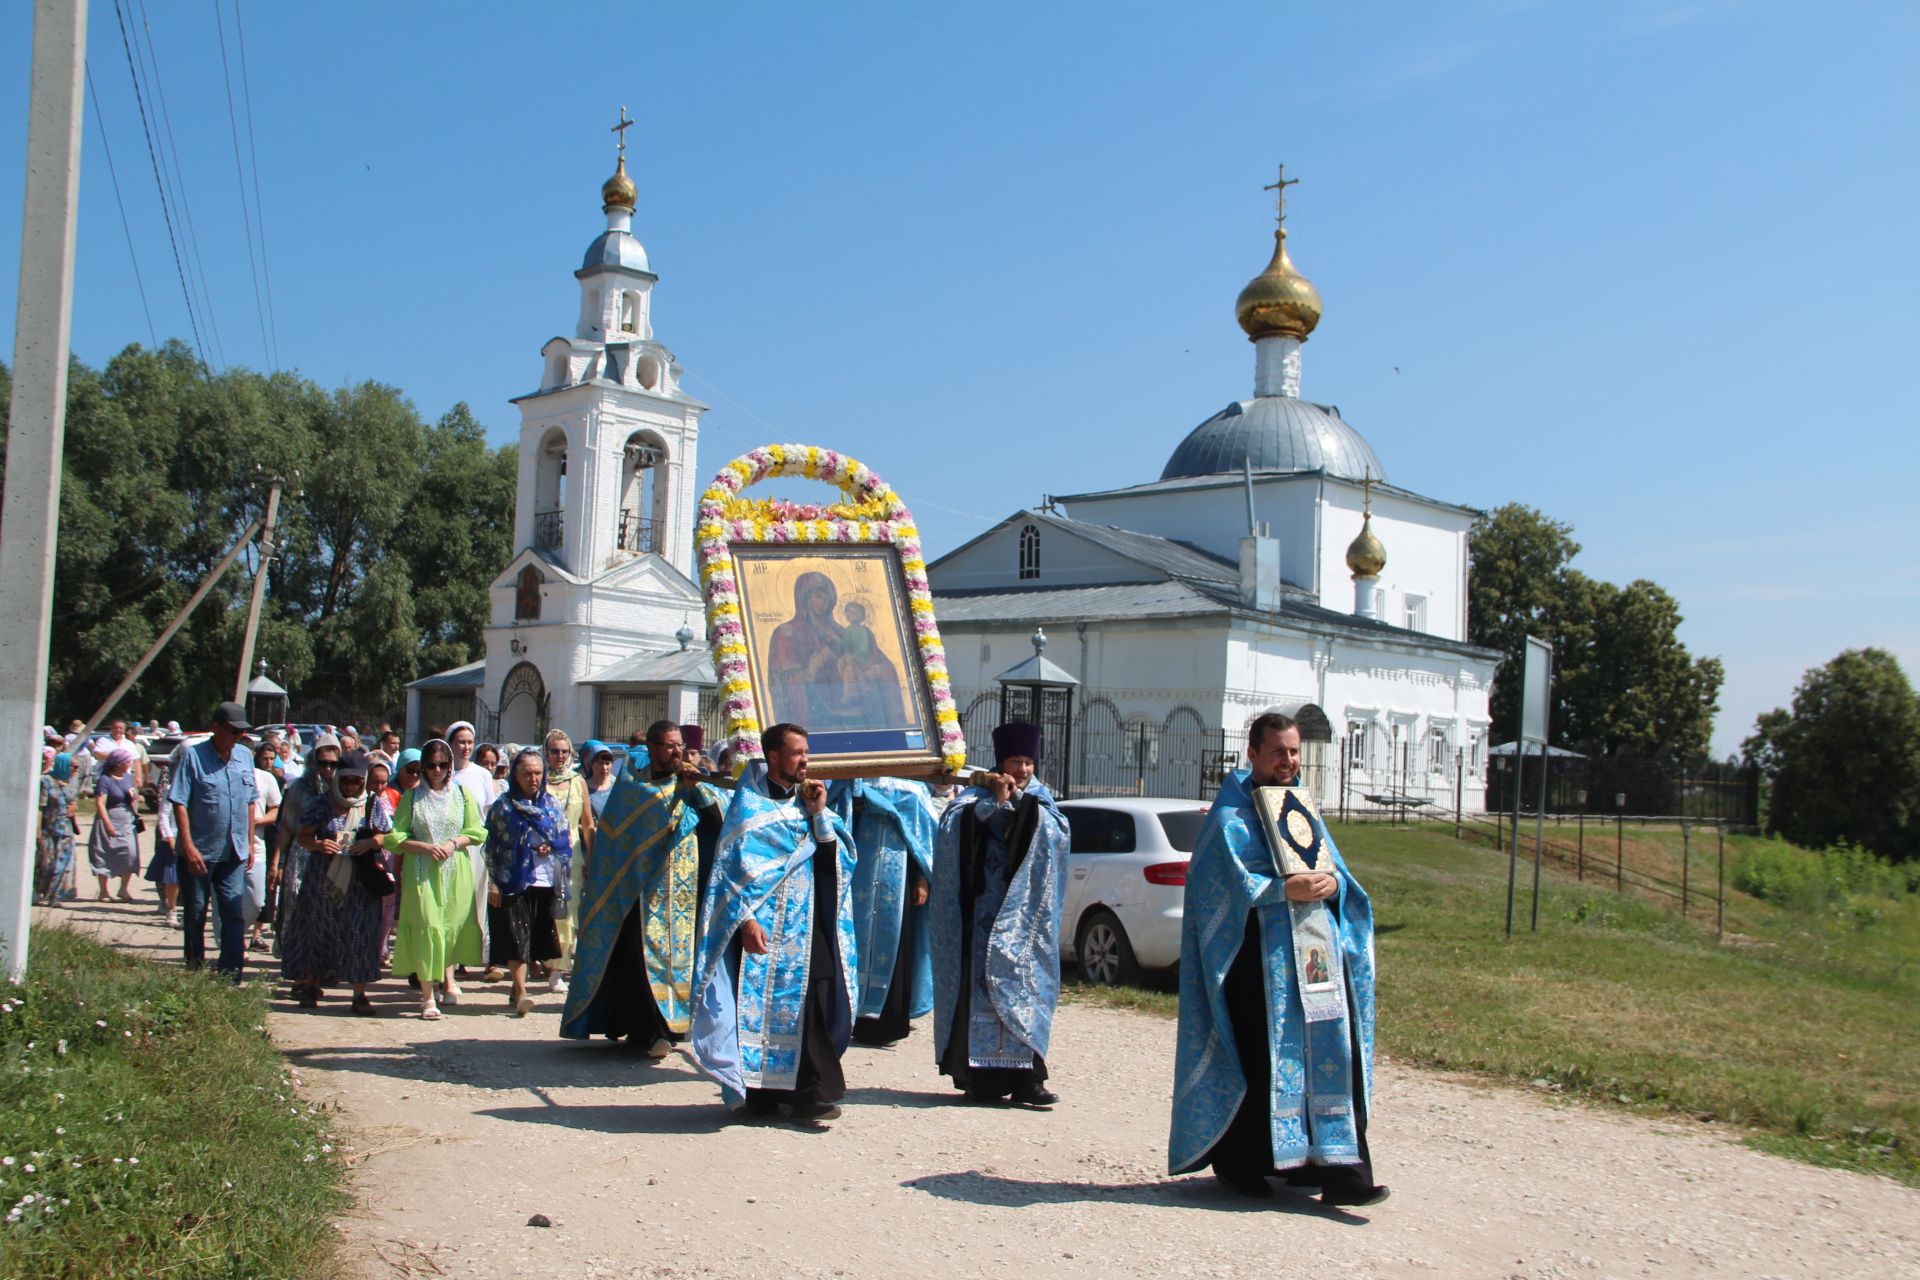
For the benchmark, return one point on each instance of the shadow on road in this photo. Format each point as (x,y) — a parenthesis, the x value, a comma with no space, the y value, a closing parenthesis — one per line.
(497,1064)
(975,1187)
(656,1118)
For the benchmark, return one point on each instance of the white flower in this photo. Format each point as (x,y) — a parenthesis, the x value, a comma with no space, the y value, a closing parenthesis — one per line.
(133,1159)
(31,1169)
(7,1161)
(61,1048)
(98,1022)
(58,1130)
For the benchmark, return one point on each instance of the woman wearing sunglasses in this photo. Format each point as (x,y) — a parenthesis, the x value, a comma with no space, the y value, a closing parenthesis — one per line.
(436,823)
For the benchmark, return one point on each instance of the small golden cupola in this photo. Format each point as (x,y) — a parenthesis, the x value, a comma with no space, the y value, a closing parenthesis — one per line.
(1279,302)
(618,192)
(1366,554)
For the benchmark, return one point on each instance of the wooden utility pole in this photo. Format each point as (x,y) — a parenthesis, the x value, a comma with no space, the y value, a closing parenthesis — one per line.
(259,589)
(36,437)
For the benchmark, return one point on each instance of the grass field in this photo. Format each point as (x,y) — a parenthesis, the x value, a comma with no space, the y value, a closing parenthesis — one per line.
(148,1127)
(1800,1026)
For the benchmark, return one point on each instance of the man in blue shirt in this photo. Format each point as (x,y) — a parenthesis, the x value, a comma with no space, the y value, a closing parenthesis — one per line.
(212,794)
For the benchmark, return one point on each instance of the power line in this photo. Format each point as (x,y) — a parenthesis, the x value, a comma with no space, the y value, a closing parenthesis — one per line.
(166,213)
(100,122)
(240,176)
(259,211)
(194,255)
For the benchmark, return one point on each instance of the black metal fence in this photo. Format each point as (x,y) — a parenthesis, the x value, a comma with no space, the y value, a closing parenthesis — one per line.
(1712,791)
(1093,749)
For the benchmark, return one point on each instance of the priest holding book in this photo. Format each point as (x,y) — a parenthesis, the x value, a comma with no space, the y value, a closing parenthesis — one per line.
(1274,1068)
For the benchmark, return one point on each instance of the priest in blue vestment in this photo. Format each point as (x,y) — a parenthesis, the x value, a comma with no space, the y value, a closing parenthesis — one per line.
(998,873)
(894,823)
(774,995)
(1273,1073)
(640,900)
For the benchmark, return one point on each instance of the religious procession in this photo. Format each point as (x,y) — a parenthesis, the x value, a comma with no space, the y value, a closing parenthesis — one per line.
(765,925)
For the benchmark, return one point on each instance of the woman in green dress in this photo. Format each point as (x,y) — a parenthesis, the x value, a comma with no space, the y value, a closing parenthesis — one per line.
(439,909)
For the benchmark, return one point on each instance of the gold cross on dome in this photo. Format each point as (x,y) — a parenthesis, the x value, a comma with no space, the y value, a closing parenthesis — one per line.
(621,128)
(1366,491)
(1280,186)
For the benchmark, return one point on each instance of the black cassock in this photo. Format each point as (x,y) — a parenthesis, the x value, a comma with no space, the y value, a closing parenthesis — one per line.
(1016,828)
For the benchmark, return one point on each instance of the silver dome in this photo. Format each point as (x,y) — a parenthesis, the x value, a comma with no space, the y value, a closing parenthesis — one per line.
(1274,433)
(616,249)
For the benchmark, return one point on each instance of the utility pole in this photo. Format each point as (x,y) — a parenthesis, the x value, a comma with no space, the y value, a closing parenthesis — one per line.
(259,588)
(30,509)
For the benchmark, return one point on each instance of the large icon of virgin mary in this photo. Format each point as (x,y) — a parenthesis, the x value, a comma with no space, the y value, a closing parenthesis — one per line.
(829,672)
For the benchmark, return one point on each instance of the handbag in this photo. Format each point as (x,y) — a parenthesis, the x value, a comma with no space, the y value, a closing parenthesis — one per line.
(373,874)
(139,824)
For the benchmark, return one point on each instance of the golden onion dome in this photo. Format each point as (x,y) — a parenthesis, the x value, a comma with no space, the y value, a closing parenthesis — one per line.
(1366,554)
(1279,302)
(619,191)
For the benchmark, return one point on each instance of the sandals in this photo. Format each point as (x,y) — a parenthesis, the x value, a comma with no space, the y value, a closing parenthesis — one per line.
(521,1005)
(451,994)
(430,1012)
(493,974)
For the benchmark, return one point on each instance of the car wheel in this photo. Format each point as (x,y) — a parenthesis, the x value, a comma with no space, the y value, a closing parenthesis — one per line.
(1106,957)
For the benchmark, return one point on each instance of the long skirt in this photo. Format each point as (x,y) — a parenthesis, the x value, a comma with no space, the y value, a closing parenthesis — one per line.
(53,860)
(521,927)
(439,927)
(334,936)
(118,855)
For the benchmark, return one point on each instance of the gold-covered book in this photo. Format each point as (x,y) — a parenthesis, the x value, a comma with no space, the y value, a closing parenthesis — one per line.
(1293,829)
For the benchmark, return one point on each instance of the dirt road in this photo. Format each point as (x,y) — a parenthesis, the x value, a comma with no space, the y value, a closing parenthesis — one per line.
(466,1128)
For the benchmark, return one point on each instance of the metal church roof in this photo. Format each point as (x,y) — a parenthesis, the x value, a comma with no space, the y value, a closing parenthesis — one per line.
(1275,433)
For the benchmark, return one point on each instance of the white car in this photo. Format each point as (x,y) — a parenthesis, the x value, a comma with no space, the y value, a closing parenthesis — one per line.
(1126,885)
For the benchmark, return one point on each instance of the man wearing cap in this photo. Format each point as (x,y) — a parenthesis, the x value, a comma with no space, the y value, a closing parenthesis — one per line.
(212,793)
(998,872)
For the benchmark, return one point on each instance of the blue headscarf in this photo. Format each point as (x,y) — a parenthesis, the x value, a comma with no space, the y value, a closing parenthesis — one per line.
(518,825)
(62,766)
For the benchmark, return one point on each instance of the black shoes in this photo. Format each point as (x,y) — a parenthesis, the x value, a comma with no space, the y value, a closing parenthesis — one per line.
(816,1112)
(1035,1095)
(1251,1185)
(1353,1195)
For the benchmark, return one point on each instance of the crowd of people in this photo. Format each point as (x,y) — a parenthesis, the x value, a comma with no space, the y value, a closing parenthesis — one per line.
(765,922)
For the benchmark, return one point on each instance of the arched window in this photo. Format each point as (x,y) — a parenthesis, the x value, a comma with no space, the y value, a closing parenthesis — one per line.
(550,492)
(642,493)
(630,312)
(1029,552)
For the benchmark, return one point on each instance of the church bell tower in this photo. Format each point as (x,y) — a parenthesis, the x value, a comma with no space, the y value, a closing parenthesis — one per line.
(607,444)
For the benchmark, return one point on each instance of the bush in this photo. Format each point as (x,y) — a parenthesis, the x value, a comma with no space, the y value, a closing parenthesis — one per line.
(148,1126)
(1818,882)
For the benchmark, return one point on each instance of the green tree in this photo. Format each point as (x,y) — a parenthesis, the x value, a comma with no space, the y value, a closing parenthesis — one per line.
(1519,583)
(1846,762)
(456,535)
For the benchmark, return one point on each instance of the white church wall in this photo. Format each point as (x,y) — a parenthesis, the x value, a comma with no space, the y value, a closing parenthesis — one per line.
(1426,557)
(1213,517)
(1147,666)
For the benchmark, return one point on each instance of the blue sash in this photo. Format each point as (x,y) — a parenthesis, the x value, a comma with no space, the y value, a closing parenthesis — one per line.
(1314,1081)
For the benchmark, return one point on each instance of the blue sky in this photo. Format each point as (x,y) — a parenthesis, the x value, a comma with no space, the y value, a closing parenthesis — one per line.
(1647,266)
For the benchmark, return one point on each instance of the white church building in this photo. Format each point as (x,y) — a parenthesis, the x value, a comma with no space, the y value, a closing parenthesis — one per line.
(1270,566)
(595,618)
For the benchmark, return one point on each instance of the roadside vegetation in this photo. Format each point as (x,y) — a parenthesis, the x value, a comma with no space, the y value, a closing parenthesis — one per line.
(1797,1026)
(148,1127)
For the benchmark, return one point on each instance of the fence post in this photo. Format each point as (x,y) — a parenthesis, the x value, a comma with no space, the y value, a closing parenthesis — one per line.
(1686,861)
(1720,906)
(1581,819)
(1620,852)
(1459,789)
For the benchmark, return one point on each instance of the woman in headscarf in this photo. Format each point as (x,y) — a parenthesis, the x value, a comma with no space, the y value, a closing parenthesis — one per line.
(58,810)
(163,871)
(114,847)
(569,790)
(529,861)
(406,776)
(336,931)
(598,758)
(440,908)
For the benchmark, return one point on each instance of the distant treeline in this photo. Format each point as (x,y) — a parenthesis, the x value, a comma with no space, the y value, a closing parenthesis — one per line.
(390,532)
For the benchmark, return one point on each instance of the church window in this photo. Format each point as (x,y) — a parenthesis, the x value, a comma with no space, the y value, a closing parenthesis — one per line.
(1439,752)
(1029,552)
(1416,613)
(642,494)
(526,595)
(1357,745)
(630,312)
(1473,754)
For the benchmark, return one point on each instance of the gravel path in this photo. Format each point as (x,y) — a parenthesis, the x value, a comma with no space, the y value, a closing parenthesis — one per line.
(467,1127)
